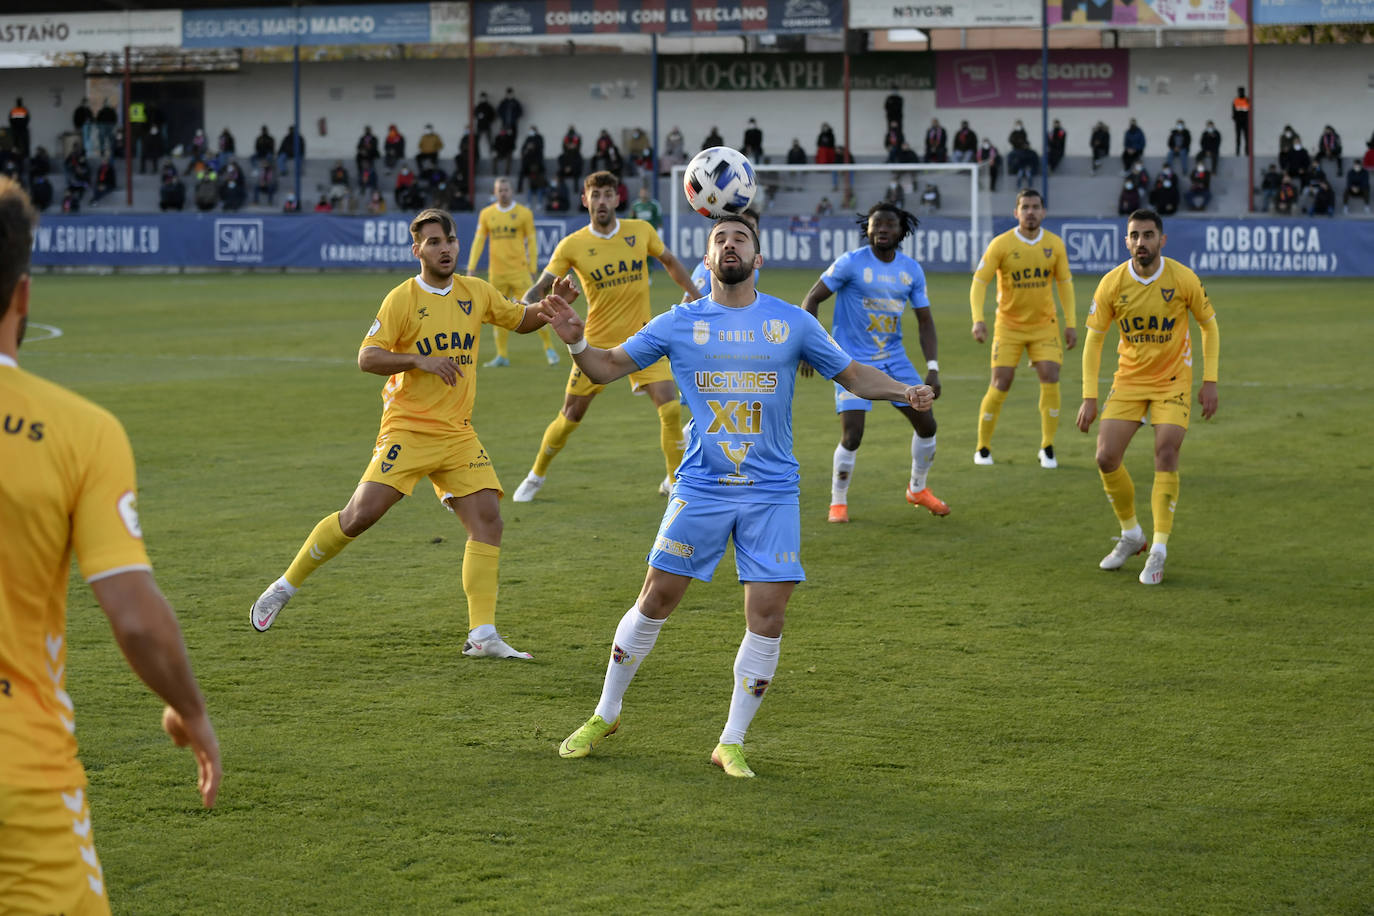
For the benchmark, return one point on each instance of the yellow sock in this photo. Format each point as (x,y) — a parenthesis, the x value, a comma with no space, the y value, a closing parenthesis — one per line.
(555,437)
(323,545)
(1049,413)
(545,337)
(1121,494)
(670,434)
(480,565)
(988,413)
(502,342)
(1163,498)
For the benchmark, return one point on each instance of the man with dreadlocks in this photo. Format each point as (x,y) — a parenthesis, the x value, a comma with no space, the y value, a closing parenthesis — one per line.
(875,283)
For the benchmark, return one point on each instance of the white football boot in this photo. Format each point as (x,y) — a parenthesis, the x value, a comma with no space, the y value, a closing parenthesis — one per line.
(1153,573)
(269,604)
(528,487)
(1126,547)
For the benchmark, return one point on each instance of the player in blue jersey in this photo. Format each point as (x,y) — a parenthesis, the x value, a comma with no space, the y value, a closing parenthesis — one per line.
(734,356)
(701,274)
(875,284)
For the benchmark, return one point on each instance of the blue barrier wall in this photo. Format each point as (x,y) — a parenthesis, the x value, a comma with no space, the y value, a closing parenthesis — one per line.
(1226,247)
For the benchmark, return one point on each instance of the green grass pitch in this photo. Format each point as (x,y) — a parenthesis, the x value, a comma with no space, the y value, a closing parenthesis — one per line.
(968,714)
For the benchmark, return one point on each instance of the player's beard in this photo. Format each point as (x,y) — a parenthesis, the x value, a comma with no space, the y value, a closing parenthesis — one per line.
(730,274)
(1146,262)
(441,271)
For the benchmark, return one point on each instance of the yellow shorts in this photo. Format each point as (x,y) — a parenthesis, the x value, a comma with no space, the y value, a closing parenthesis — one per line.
(1008,346)
(1173,408)
(582,386)
(455,463)
(47,854)
(512,286)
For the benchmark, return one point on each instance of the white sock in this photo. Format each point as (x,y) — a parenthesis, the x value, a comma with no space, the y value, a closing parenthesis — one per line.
(840,474)
(634,637)
(282,583)
(755,665)
(1135,532)
(922,457)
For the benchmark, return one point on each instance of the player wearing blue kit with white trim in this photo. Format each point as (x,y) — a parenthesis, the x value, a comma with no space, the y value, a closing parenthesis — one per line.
(874,286)
(734,355)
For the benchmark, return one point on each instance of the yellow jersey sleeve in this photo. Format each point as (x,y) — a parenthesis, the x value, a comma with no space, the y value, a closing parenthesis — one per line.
(396,326)
(500,311)
(1101,311)
(106,532)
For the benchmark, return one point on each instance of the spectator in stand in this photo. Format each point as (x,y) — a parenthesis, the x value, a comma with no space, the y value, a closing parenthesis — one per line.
(1240,117)
(207,191)
(1287,138)
(1299,162)
(510,111)
(674,151)
(895,194)
(19,129)
(1356,185)
(893,140)
(1164,196)
(9,163)
(503,149)
(264,146)
(323,205)
(1058,140)
(265,184)
(713,138)
(83,119)
(153,149)
(367,179)
(40,191)
(892,109)
(987,154)
(825,145)
(570,168)
(1022,161)
(1209,147)
(368,150)
(558,199)
(1368,159)
(172,194)
(965,144)
(753,141)
(1128,201)
(431,145)
(795,154)
(1329,147)
(227,146)
(40,163)
(292,149)
(606,157)
(483,117)
(338,184)
(937,142)
(531,158)
(1269,187)
(1180,144)
(71,201)
(1101,143)
(104,180)
(406,194)
(907,154)
(376,203)
(1199,188)
(641,151)
(460,160)
(105,120)
(930,197)
(290,204)
(1018,139)
(573,140)
(79,173)
(1141,176)
(199,147)
(1132,146)
(1322,197)
(393,147)
(825,208)
(232,192)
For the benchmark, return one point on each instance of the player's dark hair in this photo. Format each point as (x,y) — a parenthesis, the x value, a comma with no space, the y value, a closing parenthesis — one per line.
(751,225)
(432,215)
(1145,214)
(908,220)
(17,219)
(1029,192)
(601,179)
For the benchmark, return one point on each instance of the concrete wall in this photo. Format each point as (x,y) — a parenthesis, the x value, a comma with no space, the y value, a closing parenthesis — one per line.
(1307,87)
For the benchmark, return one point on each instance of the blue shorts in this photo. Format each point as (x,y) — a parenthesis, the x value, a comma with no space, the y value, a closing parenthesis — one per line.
(899,367)
(692,537)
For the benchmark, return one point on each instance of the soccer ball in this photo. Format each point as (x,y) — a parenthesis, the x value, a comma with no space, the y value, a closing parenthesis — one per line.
(720,181)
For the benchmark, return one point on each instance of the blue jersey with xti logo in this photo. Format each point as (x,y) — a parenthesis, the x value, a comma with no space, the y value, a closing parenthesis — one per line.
(870,296)
(737,370)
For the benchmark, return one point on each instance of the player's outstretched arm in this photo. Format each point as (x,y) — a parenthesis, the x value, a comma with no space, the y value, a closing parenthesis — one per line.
(876,385)
(681,275)
(540,289)
(150,638)
(534,319)
(601,366)
(812,303)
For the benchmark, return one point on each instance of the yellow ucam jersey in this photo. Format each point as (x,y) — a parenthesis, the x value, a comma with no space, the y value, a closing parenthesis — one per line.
(1024,268)
(514,244)
(67,486)
(1155,354)
(613,271)
(418,318)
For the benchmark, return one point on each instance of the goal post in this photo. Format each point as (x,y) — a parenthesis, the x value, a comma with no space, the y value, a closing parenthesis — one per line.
(949,190)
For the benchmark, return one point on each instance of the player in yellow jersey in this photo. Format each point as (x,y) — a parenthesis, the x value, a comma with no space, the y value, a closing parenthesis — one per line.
(1024,260)
(611,259)
(511,264)
(426,338)
(1149,298)
(67,485)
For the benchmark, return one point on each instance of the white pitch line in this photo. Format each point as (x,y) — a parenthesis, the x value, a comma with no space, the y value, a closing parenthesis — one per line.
(54,332)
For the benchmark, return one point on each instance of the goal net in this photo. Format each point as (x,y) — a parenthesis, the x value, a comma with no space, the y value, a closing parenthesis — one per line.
(799,202)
